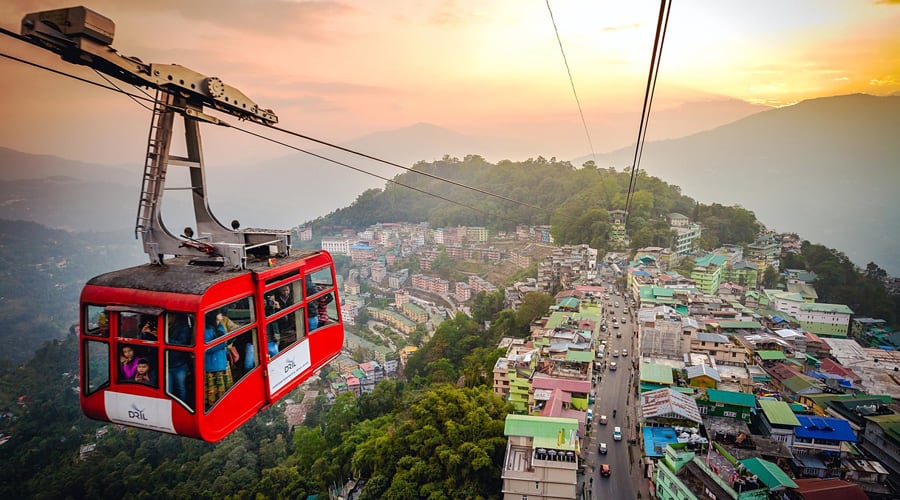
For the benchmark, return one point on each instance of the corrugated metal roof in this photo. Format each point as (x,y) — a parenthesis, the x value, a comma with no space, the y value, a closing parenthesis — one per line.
(712,337)
(669,403)
(548,432)
(778,412)
(656,373)
(836,429)
(703,370)
(769,473)
(732,398)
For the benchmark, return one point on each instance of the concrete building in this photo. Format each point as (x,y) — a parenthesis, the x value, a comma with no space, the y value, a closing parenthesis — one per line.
(831,320)
(336,245)
(540,460)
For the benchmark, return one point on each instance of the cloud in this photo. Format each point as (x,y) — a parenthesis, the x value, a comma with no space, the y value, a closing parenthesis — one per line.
(880,82)
(622,27)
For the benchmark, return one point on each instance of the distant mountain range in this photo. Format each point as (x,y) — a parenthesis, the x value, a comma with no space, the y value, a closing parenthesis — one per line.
(828,169)
(824,168)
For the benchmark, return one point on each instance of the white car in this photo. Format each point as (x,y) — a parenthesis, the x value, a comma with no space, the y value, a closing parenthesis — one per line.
(616,353)
(617,433)
(603,420)
(624,352)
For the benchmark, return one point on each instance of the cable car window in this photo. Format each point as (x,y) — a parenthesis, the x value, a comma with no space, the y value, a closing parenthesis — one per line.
(180,376)
(238,314)
(322,279)
(217,379)
(286,330)
(129,325)
(326,309)
(149,327)
(131,356)
(96,368)
(180,328)
(281,298)
(244,358)
(96,321)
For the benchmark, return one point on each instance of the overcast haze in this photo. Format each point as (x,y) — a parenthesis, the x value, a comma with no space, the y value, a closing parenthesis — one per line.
(343,69)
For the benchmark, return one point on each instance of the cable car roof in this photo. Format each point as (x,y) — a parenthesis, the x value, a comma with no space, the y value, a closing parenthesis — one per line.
(177,275)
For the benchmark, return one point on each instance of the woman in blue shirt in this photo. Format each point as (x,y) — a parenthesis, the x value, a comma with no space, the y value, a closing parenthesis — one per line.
(215,362)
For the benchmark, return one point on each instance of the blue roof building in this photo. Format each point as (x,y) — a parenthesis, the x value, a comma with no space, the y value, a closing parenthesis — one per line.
(817,435)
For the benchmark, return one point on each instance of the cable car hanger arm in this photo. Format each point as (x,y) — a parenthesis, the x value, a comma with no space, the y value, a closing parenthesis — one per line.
(82,36)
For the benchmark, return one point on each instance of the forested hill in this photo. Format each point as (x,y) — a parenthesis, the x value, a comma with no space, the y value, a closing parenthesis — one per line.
(574,200)
(43,271)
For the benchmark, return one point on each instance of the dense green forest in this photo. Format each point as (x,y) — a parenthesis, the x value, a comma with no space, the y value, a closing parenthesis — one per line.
(427,438)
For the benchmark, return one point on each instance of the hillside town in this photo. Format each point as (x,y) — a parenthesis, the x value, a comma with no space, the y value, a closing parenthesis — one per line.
(732,389)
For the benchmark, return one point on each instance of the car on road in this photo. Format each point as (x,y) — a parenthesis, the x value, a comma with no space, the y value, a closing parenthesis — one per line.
(618,334)
(616,353)
(622,320)
(590,415)
(613,366)
(617,433)
(603,420)
(604,470)
(624,352)
(603,448)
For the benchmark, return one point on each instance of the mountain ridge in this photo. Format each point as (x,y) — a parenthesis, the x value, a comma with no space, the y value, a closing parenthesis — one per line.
(819,167)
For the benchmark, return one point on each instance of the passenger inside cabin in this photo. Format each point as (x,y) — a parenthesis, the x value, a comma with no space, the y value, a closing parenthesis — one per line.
(179,362)
(148,328)
(143,374)
(127,363)
(322,308)
(312,308)
(218,378)
(284,297)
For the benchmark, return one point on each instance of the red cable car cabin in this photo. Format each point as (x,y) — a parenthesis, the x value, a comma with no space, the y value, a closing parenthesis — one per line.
(197,351)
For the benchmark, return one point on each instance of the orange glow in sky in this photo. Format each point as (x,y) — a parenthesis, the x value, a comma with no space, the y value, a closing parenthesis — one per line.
(342,69)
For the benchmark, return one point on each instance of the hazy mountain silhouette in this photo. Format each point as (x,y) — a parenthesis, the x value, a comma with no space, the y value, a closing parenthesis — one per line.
(826,168)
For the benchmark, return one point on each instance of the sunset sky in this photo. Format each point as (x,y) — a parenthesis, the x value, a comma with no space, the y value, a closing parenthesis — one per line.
(337,70)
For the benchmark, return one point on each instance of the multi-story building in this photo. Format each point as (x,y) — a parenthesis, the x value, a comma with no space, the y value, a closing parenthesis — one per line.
(822,435)
(414,312)
(678,220)
(520,257)
(831,320)
(476,234)
(479,284)
(881,439)
(778,421)
(617,226)
(764,250)
(720,347)
(361,252)
(743,273)
(304,233)
(462,292)
(540,461)
(336,245)
(397,321)
(398,278)
(378,272)
(707,273)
